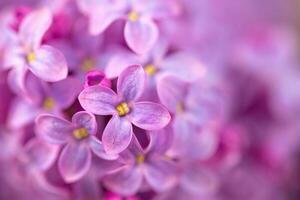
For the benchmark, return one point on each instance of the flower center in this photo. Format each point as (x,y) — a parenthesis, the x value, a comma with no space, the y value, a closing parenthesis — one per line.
(31,57)
(123,109)
(49,103)
(87,64)
(133,16)
(179,107)
(150,69)
(80,133)
(139,159)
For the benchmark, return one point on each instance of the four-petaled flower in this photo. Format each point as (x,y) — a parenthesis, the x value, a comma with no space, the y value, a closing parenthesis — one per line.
(124,109)
(79,137)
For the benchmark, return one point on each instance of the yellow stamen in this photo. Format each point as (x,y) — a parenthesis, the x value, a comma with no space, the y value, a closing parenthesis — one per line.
(30,57)
(123,109)
(80,133)
(150,69)
(133,16)
(140,159)
(88,64)
(49,103)
(179,107)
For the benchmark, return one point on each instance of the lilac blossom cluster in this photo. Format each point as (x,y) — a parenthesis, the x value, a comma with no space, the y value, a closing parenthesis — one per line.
(149,99)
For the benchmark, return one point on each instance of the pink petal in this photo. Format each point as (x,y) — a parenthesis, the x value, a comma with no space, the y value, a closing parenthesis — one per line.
(53,129)
(74,161)
(117,135)
(86,120)
(101,20)
(171,91)
(183,66)
(126,181)
(34,26)
(13,56)
(50,64)
(98,149)
(149,116)
(131,82)
(161,174)
(141,35)
(98,100)
(40,154)
(16,80)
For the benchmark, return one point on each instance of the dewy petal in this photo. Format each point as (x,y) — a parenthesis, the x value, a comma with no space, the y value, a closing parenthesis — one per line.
(126,181)
(171,91)
(149,116)
(183,66)
(98,149)
(141,35)
(131,82)
(53,129)
(34,26)
(85,120)
(50,64)
(40,154)
(160,174)
(98,100)
(74,161)
(117,135)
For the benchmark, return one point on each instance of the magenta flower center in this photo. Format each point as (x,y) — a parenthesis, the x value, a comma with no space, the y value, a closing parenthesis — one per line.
(123,109)
(80,133)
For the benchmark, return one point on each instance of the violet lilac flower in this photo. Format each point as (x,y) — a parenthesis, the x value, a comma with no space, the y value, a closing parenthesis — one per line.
(140,32)
(79,139)
(124,108)
(26,52)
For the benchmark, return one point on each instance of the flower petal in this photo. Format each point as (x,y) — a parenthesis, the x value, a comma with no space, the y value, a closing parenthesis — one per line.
(160,174)
(53,129)
(101,20)
(86,120)
(50,64)
(98,100)
(141,35)
(117,135)
(184,66)
(98,149)
(74,161)
(126,181)
(149,116)
(131,82)
(34,26)
(40,154)
(171,92)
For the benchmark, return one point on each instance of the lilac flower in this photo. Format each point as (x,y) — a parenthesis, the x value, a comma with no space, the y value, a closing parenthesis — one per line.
(194,107)
(26,51)
(140,30)
(80,140)
(152,165)
(124,108)
(96,78)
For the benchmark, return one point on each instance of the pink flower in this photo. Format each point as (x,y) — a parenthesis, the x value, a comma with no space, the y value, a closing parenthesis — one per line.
(26,52)
(124,108)
(79,139)
(140,32)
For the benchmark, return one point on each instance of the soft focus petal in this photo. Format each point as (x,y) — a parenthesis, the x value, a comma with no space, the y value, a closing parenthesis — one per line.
(126,181)
(101,20)
(34,27)
(98,149)
(149,116)
(117,135)
(172,92)
(13,56)
(85,120)
(141,35)
(16,80)
(131,82)
(50,64)
(160,174)
(98,100)
(53,129)
(74,161)
(41,154)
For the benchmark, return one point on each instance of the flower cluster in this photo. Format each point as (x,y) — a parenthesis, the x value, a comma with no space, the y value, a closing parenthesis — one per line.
(148,99)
